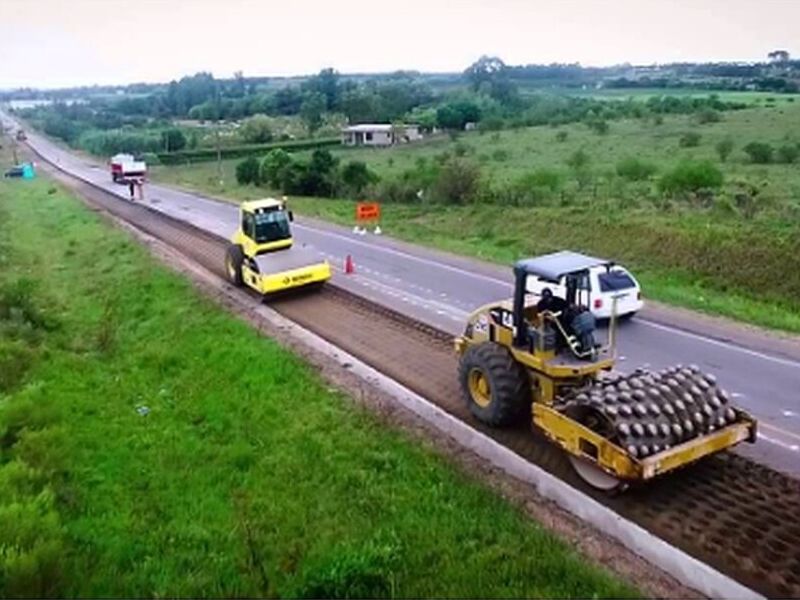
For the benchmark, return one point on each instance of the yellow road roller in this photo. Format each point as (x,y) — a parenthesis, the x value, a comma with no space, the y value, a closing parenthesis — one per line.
(537,357)
(262,254)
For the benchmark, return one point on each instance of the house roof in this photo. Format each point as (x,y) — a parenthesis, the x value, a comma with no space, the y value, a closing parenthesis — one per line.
(369,127)
(553,266)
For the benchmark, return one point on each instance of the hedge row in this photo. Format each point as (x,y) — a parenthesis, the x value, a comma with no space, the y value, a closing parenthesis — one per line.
(206,154)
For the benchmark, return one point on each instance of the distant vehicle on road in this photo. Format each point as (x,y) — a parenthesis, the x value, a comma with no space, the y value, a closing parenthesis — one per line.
(21,137)
(17,171)
(125,168)
(24,171)
(604,282)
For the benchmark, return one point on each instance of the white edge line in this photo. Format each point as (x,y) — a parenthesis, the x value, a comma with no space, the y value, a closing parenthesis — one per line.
(783,361)
(686,569)
(770,440)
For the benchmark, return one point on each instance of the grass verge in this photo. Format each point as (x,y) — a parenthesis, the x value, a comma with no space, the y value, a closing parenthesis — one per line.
(152,445)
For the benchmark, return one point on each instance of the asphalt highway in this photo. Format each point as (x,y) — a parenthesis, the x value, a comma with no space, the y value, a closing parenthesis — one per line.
(759,369)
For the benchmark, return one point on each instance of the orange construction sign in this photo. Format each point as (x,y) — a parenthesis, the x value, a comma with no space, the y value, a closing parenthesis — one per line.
(368,211)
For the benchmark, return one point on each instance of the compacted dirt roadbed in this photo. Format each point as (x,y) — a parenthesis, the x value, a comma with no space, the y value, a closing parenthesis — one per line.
(729,512)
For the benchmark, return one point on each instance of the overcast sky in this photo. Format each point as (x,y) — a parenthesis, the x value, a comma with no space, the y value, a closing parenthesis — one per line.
(57,43)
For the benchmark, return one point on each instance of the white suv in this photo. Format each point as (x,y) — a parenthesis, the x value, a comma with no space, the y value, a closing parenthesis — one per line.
(603,286)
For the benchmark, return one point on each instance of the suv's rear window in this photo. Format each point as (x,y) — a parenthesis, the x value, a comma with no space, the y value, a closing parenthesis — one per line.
(615,280)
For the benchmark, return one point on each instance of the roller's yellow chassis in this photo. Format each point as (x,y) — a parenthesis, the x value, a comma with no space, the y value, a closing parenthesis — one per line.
(582,442)
(271,283)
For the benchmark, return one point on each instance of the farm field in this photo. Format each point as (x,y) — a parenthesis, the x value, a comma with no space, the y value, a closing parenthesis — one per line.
(734,253)
(644,93)
(211,462)
(506,154)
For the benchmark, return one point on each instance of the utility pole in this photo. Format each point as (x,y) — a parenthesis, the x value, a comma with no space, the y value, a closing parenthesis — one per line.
(216,136)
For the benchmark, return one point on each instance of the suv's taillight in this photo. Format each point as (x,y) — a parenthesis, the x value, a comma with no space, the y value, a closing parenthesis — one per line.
(598,303)
(639,295)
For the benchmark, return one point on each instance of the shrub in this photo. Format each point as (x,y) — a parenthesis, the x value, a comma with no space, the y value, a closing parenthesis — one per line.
(457,183)
(256,130)
(689,140)
(544,178)
(15,360)
(151,158)
(293,178)
(561,136)
(634,169)
(31,535)
(491,124)
(356,176)
(578,160)
(173,140)
(248,171)
(273,166)
(788,153)
(599,126)
(462,149)
(691,176)
(500,155)
(708,115)
(318,177)
(442,157)
(20,308)
(759,152)
(531,188)
(724,148)
(398,189)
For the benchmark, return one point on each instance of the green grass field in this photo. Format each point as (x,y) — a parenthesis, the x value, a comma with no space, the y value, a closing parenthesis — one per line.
(152,445)
(717,257)
(508,154)
(646,93)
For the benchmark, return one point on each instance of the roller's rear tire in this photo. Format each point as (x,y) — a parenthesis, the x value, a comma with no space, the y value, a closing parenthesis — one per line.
(494,386)
(234,258)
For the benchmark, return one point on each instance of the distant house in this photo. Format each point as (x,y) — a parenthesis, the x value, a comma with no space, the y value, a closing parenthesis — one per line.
(379,134)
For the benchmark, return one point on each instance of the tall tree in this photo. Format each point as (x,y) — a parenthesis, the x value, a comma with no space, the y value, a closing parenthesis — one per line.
(490,75)
(778,56)
(288,100)
(311,110)
(326,82)
(239,88)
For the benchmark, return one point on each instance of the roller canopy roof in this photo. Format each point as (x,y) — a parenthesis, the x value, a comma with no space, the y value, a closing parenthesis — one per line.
(553,266)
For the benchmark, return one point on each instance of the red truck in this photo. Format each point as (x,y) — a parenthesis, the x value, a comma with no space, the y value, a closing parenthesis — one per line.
(125,168)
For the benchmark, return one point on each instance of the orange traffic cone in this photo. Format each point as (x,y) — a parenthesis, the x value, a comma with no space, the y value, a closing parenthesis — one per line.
(349,265)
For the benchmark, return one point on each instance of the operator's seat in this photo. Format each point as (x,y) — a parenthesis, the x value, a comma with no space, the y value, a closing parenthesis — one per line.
(540,333)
